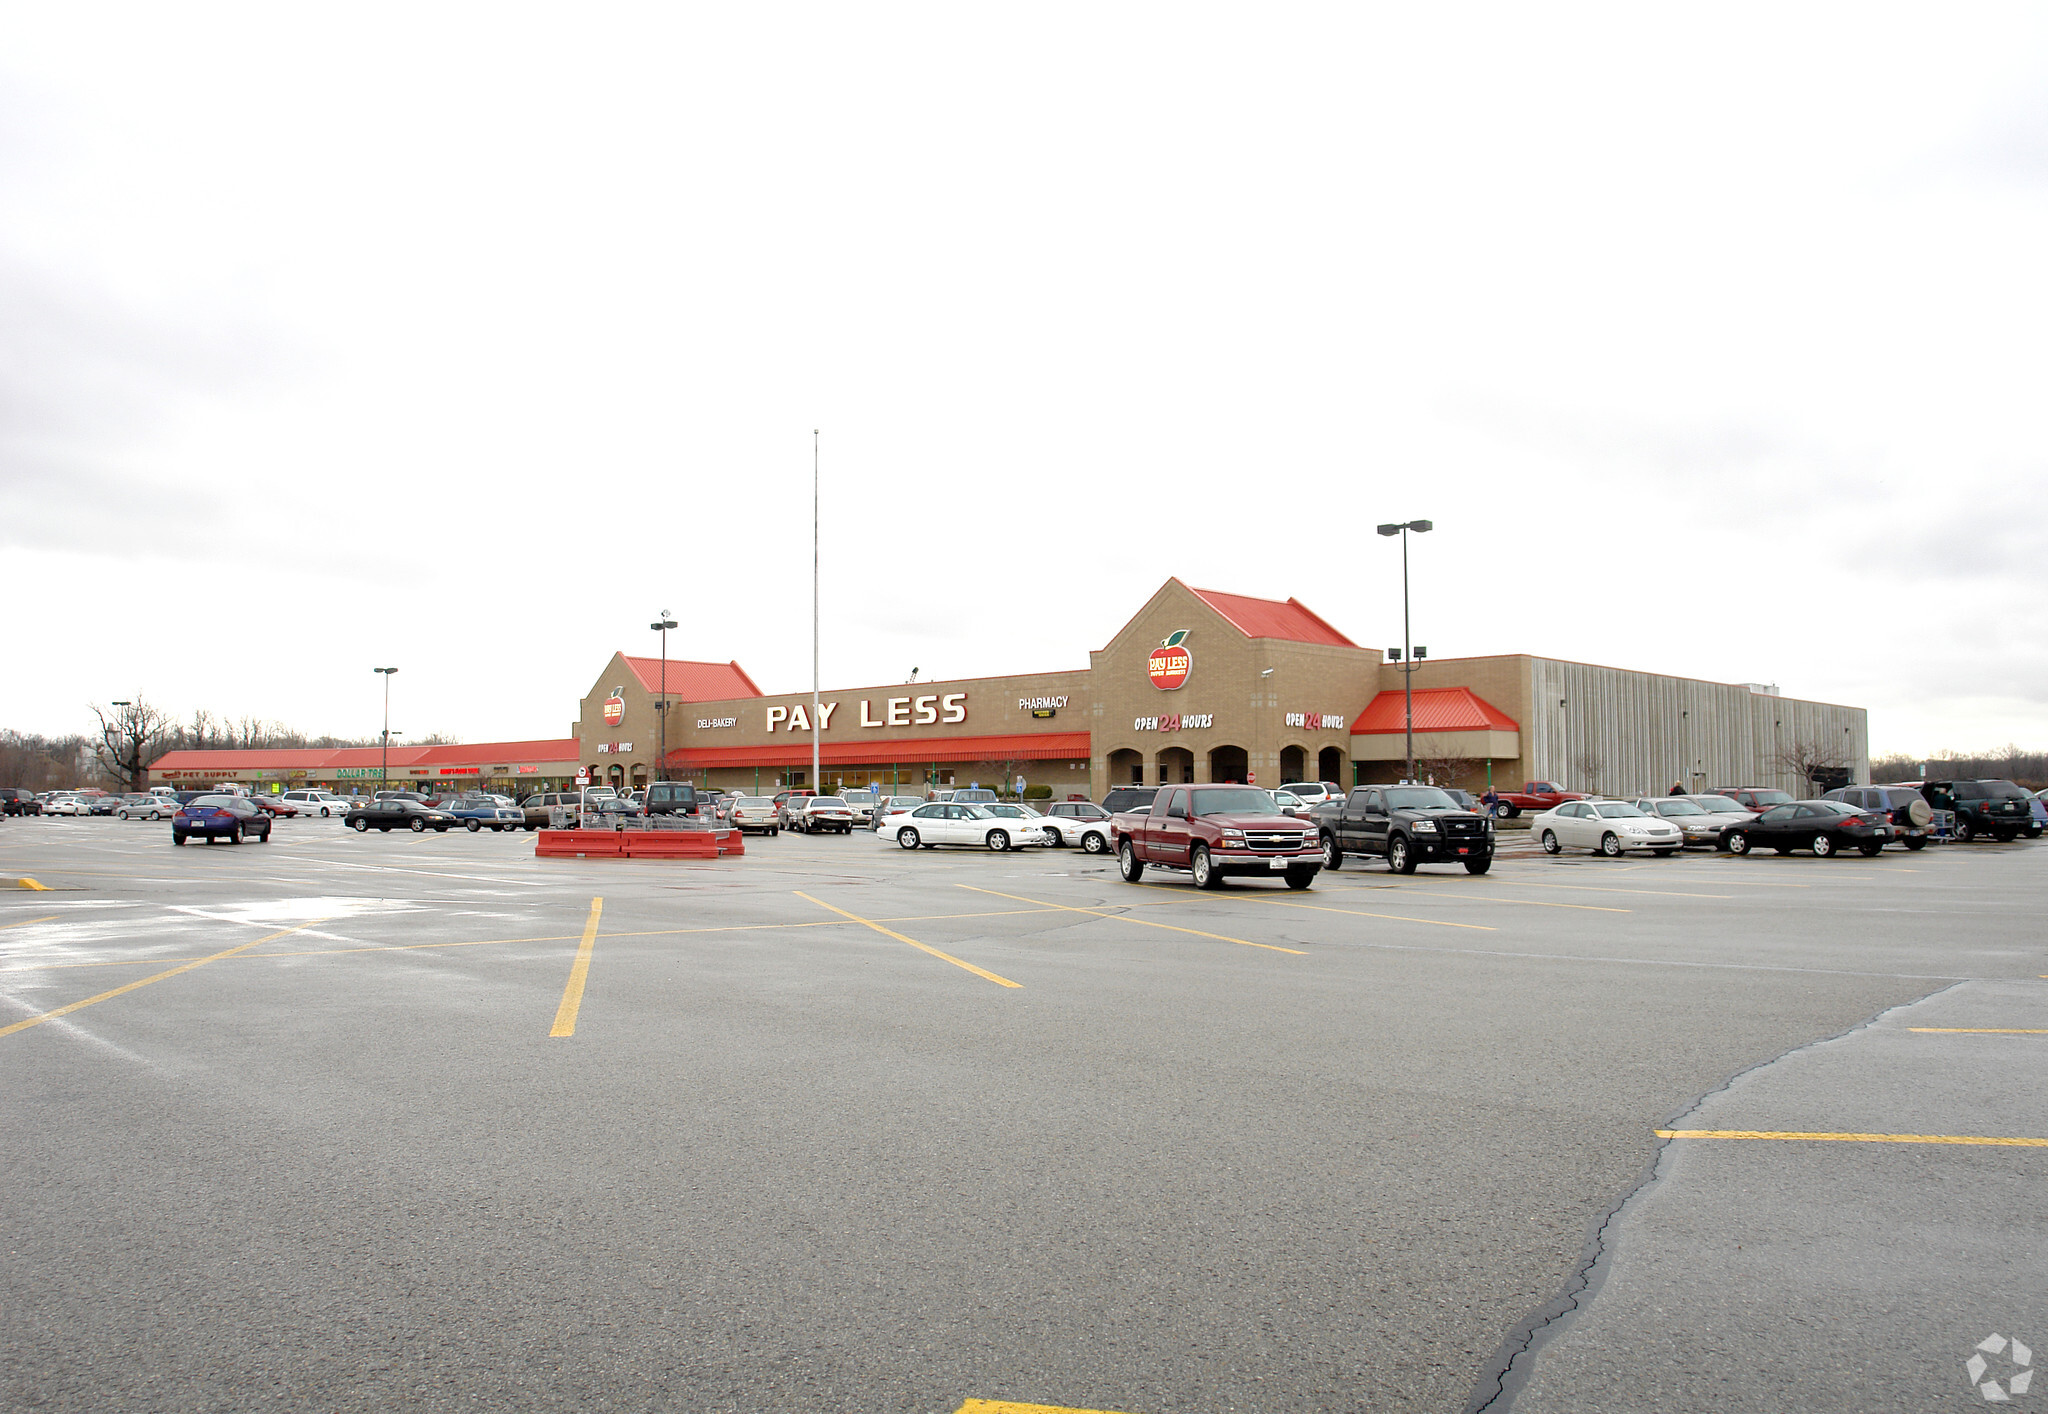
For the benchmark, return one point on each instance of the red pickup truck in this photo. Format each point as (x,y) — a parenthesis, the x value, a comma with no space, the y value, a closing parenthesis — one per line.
(1534,795)
(1214,832)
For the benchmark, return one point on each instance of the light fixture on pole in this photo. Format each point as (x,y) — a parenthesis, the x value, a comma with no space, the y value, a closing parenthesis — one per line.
(1411,652)
(384,767)
(662,624)
(816,782)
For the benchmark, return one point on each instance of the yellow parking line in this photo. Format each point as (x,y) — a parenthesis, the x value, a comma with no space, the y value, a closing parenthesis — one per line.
(1851,1138)
(1980,1030)
(23,923)
(1143,922)
(1483,898)
(579,973)
(1004,1406)
(921,947)
(1596,889)
(145,981)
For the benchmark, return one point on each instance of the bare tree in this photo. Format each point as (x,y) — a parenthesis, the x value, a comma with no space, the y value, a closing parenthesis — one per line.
(128,738)
(1589,765)
(1812,761)
(1449,771)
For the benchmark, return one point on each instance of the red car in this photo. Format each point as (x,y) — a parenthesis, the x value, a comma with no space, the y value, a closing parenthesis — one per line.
(270,805)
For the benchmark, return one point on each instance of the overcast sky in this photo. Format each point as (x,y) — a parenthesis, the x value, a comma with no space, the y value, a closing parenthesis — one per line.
(463,339)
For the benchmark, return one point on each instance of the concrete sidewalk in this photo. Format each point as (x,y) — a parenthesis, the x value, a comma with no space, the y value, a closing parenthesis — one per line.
(1771,1274)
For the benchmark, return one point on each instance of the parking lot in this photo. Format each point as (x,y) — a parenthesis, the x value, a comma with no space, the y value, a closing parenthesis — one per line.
(351,1122)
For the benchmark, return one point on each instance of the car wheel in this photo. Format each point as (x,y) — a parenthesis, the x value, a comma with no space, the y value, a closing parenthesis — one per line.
(1823,845)
(1736,842)
(998,840)
(362,827)
(1610,845)
(155,815)
(1093,843)
(1333,857)
(1916,844)
(1478,866)
(1203,868)
(1128,864)
(1508,812)
(177,838)
(1550,844)
(1400,855)
(1965,832)
(235,834)
(1052,838)
(263,838)
(416,825)
(774,830)
(1300,878)
(1869,848)
(906,838)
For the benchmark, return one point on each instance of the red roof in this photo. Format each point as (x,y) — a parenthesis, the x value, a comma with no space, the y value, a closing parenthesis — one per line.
(1020,746)
(1270,618)
(1437,709)
(694,682)
(500,753)
(483,753)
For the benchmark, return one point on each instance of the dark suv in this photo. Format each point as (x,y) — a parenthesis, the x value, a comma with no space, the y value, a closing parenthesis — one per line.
(1904,806)
(1999,809)
(1129,799)
(14,801)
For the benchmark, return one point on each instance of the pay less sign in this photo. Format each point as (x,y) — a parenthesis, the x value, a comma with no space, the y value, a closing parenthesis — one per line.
(896,712)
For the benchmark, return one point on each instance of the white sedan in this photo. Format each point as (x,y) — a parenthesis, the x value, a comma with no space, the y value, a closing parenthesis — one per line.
(1609,826)
(67,805)
(945,823)
(1080,822)
(318,802)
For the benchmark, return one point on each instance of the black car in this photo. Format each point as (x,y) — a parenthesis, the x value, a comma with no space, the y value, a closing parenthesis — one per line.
(1904,806)
(1406,825)
(399,814)
(219,817)
(1129,799)
(15,801)
(1824,826)
(672,798)
(1999,809)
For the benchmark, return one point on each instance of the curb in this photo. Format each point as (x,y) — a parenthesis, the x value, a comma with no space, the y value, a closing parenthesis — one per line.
(31,884)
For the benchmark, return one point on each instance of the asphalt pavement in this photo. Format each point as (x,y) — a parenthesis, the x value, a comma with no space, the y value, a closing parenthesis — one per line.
(368,1122)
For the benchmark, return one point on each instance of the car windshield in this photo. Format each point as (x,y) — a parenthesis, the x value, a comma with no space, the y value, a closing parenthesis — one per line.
(1719,804)
(1618,810)
(905,802)
(1245,800)
(2002,790)
(1419,798)
(1678,807)
(753,802)
(1771,797)
(213,800)
(818,800)
(1008,812)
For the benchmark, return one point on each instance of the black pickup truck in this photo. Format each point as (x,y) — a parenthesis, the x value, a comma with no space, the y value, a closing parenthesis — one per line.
(1407,826)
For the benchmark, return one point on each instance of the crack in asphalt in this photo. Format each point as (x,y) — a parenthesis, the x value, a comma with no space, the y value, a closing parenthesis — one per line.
(1512,1365)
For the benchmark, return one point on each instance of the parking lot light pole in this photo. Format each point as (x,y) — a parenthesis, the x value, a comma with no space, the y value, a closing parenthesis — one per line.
(1407,640)
(384,765)
(662,624)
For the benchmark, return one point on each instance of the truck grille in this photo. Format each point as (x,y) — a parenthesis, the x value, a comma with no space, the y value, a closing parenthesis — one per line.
(1273,839)
(1464,827)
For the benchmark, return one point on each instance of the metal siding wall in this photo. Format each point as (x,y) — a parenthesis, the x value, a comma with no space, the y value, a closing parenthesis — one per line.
(1648,730)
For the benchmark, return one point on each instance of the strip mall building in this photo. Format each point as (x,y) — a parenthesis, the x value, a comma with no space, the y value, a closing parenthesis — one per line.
(1198,686)
(1204,686)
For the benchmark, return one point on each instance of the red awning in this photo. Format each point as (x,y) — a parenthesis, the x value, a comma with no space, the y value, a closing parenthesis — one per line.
(1022,746)
(1437,709)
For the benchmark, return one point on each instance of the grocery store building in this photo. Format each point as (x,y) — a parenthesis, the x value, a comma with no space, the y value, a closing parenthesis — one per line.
(1198,686)
(1208,686)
